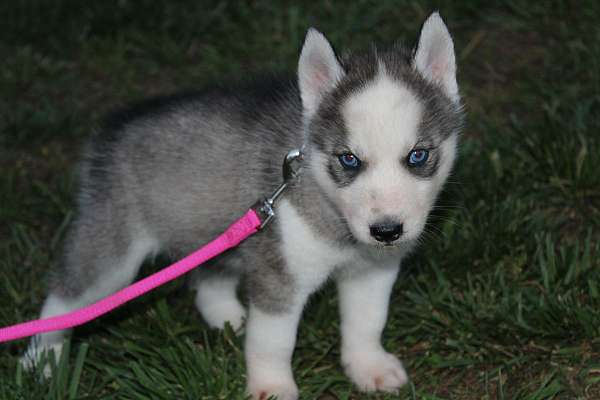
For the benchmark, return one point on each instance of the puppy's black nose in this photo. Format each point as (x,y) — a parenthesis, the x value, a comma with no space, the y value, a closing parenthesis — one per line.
(386,232)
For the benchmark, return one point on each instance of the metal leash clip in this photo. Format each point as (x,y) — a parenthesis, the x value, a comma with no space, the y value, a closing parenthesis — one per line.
(290,171)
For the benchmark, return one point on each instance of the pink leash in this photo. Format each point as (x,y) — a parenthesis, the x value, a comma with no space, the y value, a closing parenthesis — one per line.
(256,218)
(234,235)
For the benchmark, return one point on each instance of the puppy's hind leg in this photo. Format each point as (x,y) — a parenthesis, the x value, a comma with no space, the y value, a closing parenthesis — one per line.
(217,301)
(98,261)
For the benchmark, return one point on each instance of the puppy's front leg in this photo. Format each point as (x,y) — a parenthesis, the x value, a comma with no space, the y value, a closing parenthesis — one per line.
(278,288)
(364,299)
(270,341)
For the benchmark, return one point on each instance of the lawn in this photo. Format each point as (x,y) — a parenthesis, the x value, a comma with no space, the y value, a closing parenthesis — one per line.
(502,299)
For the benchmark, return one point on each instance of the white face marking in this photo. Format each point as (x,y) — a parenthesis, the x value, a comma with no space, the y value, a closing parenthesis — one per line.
(382,122)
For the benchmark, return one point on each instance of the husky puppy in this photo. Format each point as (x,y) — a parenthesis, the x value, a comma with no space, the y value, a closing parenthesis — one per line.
(379,133)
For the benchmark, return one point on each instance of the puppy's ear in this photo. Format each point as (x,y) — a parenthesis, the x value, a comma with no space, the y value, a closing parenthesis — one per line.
(318,70)
(435,58)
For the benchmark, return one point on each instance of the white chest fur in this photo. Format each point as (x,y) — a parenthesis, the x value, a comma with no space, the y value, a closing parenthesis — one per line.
(309,257)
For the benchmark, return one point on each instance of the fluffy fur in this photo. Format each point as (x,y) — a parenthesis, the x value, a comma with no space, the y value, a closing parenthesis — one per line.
(170,174)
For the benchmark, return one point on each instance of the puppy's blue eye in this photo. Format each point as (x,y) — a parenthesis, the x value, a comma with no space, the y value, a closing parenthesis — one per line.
(418,157)
(349,161)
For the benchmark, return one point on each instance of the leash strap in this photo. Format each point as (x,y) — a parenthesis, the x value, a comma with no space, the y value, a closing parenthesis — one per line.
(234,235)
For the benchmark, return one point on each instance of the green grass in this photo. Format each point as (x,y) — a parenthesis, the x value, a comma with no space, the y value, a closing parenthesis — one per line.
(502,301)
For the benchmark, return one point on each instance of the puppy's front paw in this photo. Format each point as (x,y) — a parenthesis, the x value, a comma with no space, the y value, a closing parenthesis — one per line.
(375,370)
(275,390)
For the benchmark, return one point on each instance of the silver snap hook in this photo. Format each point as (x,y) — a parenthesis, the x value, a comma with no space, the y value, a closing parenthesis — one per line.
(290,171)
